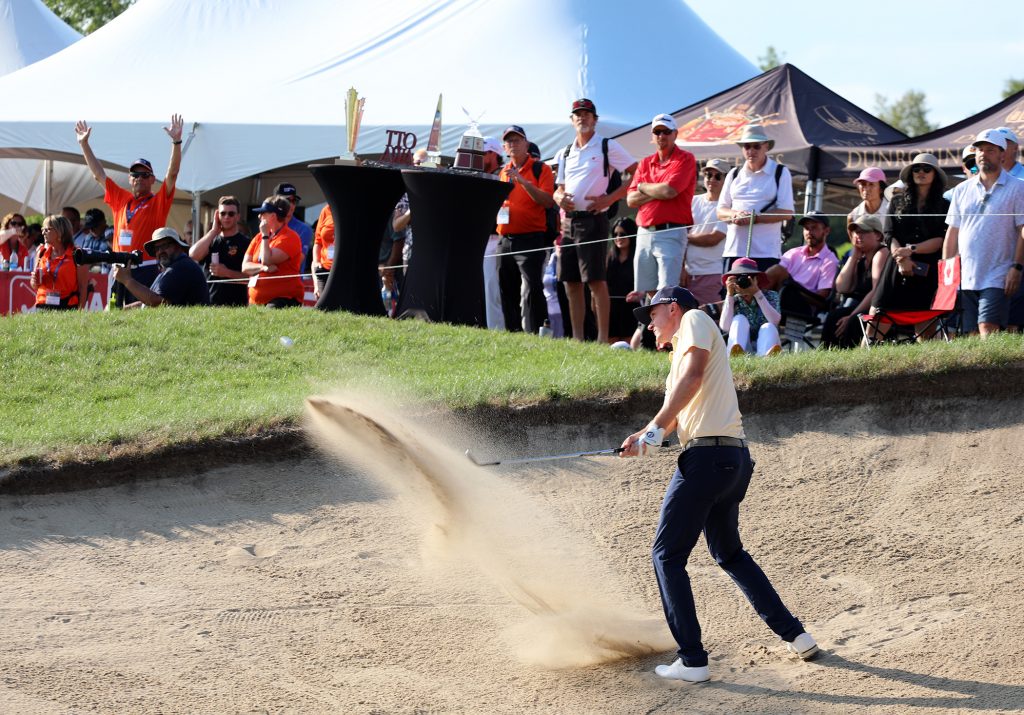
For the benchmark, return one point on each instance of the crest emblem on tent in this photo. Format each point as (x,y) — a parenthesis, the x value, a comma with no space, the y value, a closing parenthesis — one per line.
(723,126)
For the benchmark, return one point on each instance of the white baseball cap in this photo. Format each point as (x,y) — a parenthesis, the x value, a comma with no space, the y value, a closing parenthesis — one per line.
(992,136)
(1008,134)
(664,120)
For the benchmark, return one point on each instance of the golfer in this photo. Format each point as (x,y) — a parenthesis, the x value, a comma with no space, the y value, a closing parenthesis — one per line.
(709,483)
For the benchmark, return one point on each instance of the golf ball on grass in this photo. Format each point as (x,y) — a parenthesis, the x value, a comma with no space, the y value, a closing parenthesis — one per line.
(286,341)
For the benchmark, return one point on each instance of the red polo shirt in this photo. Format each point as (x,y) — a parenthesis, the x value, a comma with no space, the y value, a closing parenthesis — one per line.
(679,172)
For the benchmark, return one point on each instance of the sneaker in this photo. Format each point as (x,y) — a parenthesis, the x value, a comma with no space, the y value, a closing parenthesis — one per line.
(736,350)
(774,350)
(803,646)
(678,671)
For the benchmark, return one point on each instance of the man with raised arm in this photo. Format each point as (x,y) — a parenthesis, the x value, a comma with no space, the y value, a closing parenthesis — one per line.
(138,211)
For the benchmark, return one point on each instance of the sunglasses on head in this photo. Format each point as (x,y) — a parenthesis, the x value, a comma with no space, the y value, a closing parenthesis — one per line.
(139,174)
(922,169)
(661,131)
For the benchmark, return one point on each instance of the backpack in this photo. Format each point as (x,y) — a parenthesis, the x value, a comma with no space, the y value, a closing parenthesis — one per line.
(552,219)
(787,225)
(614,176)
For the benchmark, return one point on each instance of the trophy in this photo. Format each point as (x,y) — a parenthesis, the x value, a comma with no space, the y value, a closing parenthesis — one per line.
(434,142)
(353,118)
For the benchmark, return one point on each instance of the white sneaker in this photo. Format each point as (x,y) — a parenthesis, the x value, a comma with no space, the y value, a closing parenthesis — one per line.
(678,671)
(803,646)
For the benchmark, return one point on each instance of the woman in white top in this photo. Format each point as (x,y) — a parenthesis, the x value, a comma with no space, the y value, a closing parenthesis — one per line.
(870,185)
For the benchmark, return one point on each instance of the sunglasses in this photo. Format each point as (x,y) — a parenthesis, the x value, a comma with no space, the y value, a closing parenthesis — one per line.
(19,224)
(228,213)
(661,131)
(139,174)
(752,147)
(713,175)
(922,169)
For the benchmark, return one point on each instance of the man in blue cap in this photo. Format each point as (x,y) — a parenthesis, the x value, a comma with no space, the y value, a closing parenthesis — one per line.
(710,481)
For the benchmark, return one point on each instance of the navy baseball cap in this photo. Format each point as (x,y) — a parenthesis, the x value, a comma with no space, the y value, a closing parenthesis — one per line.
(669,294)
(287,190)
(272,205)
(144,163)
(514,129)
(815,216)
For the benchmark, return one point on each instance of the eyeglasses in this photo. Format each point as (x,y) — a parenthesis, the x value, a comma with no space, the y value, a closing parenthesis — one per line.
(922,169)
(661,131)
(47,229)
(139,174)
(228,213)
(713,175)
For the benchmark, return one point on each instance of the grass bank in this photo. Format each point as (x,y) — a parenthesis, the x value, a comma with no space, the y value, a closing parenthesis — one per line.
(79,387)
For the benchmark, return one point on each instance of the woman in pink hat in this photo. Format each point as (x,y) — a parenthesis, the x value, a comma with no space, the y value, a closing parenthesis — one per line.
(750,312)
(870,185)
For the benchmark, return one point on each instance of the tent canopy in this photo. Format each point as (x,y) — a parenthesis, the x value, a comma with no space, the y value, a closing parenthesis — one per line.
(798,112)
(946,144)
(29,32)
(278,97)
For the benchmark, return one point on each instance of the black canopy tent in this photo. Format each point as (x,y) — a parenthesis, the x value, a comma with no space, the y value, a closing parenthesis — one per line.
(947,144)
(797,111)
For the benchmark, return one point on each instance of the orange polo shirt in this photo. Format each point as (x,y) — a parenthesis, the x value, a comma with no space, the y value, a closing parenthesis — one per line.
(140,216)
(325,237)
(57,272)
(269,285)
(524,214)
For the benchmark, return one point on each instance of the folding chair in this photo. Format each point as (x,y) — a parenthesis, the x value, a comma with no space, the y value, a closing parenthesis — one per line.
(801,322)
(900,326)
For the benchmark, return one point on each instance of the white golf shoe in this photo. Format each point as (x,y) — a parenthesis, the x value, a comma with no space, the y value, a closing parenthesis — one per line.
(678,671)
(803,646)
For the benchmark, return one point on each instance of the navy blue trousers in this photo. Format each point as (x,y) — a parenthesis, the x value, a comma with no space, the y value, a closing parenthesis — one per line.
(705,495)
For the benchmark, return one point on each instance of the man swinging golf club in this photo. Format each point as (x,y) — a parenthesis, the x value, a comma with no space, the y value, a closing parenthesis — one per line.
(711,478)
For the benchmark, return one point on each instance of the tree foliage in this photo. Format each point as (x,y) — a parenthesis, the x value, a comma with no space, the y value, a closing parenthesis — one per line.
(87,15)
(909,113)
(1012,86)
(771,59)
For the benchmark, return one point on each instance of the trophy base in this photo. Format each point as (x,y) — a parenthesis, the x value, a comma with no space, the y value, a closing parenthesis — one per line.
(348,161)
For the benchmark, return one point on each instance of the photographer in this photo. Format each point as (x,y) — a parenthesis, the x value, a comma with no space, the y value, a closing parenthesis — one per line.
(750,312)
(181,281)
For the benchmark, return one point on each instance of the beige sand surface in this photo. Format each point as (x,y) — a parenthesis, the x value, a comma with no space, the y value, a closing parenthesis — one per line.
(313,587)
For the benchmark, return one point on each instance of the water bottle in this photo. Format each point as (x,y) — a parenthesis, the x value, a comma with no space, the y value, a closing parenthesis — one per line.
(5,265)
(14,261)
(386,296)
(545,330)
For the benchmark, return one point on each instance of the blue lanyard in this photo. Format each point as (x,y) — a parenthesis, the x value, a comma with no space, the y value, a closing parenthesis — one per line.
(56,270)
(129,214)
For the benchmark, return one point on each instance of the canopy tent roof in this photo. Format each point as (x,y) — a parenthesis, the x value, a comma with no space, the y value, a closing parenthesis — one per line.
(946,144)
(28,33)
(797,111)
(504,61)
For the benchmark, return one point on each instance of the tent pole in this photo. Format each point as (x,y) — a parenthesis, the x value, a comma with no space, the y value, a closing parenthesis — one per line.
(47,187)
(808,194)
(819,194)
(196,208)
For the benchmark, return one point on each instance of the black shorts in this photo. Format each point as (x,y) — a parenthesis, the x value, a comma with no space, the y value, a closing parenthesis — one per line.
(583,264)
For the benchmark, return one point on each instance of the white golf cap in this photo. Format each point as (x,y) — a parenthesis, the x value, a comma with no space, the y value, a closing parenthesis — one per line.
(1008,134)
(719,165)
(992,136)
(968,151)
(664,120)
(492,144)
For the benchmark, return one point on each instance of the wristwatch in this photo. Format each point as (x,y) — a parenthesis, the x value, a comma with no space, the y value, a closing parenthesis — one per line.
(913,248)
(1018,266)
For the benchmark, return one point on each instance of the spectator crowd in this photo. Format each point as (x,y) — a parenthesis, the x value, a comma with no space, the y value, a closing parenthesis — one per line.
(559,263)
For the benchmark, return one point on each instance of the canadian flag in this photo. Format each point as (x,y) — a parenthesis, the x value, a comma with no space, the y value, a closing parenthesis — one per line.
(949,283)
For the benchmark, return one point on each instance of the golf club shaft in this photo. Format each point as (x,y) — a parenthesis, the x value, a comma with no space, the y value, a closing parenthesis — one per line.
(551,457)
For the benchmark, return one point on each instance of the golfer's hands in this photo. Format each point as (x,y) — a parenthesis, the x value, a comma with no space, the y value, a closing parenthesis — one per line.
(644,443)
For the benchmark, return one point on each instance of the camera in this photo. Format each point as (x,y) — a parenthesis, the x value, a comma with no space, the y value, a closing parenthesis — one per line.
(743,281)
(88,258)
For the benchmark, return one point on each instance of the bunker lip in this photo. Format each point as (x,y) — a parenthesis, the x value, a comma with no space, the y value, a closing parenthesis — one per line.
(107,465)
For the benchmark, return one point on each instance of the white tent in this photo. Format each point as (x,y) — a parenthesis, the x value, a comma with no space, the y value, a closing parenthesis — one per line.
(261,83)
(28,33)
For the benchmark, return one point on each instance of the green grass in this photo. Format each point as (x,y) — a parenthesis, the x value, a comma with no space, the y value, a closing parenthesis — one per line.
(85,385)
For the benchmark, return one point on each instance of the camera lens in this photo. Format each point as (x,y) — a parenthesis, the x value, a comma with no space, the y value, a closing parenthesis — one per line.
(743,281)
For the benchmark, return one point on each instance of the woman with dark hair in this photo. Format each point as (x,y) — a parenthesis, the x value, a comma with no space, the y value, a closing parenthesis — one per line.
(917,226)
(59,283)
(622,322)
(856,283)
(13,241)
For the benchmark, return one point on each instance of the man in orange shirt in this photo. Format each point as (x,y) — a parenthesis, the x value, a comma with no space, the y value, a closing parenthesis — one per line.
(138,212)
(323,250)
(521,225)
(274,258)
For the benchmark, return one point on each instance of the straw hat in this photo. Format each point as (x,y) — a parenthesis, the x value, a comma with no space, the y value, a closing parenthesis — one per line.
(927,160)
(754,134)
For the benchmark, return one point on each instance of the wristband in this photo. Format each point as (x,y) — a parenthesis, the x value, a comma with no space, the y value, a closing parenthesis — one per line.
(177,142)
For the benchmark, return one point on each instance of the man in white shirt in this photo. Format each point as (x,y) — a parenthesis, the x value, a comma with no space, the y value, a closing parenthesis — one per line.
(710,481)
(756,199)
(1010,164)
(581,192)
(986,229)
(706,240)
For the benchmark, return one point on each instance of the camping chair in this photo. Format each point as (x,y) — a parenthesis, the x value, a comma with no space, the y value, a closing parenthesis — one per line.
(800,328)
(900,326)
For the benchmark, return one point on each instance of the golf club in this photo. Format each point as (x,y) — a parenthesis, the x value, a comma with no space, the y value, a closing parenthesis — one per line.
(550,457)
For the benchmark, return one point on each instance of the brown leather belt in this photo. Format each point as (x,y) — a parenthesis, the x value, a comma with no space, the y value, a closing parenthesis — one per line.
(715,442)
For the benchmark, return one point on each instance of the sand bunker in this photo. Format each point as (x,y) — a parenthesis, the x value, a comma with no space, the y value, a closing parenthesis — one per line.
(313,586)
